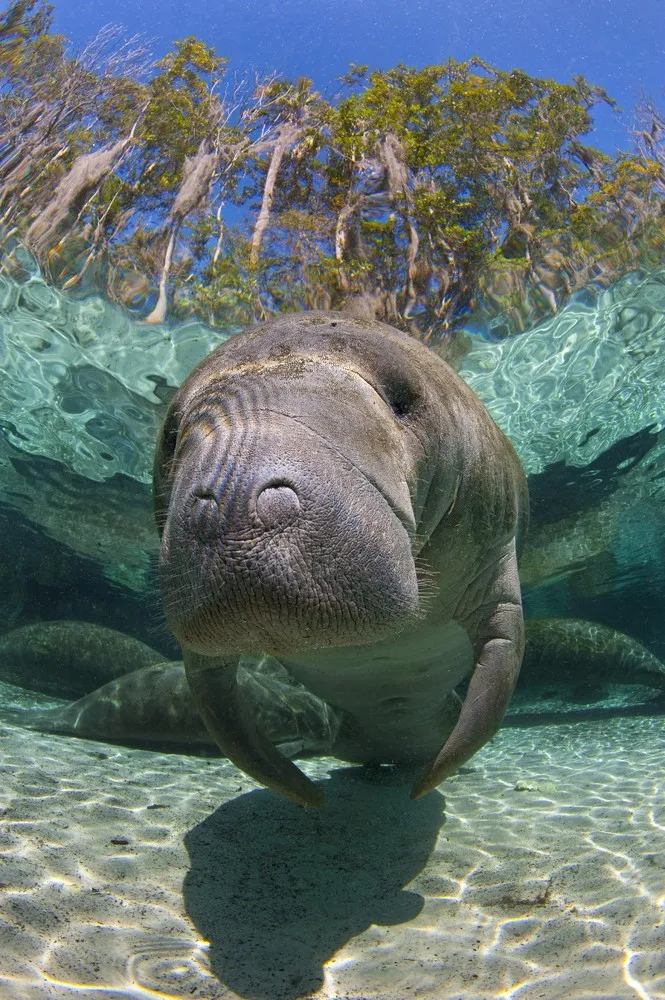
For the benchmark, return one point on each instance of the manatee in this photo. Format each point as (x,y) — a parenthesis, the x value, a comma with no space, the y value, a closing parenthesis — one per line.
(154,705)
(571,649)
(330,492)
(69,658)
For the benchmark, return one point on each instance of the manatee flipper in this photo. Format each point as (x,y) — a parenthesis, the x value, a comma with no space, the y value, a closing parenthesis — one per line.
(288,714)
(499,641)
(228,718)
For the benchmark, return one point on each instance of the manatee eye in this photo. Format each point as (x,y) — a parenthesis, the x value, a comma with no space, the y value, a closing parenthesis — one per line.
(401,395)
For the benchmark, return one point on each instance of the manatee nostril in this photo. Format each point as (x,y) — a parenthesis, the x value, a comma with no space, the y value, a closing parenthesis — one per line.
(277,506)
(204,513)
(204,504)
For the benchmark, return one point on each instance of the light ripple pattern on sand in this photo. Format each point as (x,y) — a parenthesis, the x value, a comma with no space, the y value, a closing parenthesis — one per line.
(133,874)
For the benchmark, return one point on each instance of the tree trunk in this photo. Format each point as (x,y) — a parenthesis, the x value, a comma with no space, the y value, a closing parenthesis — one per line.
(346,212)
(392,156)
(285,137)
(158,314)
(86,173)
(192,194)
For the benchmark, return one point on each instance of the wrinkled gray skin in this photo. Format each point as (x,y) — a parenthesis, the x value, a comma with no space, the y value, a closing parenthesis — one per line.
(565,649)
(329,491)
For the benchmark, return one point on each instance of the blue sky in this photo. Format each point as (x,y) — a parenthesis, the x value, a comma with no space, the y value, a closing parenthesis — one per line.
(619,44)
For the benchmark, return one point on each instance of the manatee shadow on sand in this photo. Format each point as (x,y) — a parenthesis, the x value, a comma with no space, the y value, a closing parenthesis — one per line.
(277,890)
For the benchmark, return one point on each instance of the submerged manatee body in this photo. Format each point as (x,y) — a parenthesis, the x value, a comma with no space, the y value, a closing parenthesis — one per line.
(69,658)
(330,492)
(154,704)
(572,649)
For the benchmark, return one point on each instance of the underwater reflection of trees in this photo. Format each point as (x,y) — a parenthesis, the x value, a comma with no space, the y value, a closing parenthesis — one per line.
(430,198)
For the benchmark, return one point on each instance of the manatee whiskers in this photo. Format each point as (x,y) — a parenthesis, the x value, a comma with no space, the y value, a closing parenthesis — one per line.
(157,626)
(184,589)
(428,588)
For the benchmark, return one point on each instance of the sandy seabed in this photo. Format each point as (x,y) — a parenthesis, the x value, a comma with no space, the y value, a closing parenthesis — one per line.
(537,872)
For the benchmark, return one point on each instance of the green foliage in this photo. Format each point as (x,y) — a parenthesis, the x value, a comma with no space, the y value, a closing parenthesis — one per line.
(427,193)
(22,22)
(182,107)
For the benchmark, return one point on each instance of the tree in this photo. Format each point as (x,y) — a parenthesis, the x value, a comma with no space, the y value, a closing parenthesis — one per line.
(649,135)
(429,198)
(291,111)
(22,21)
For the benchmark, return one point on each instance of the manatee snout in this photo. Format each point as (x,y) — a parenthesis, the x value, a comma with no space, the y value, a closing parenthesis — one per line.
(272,506)
(274,541)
